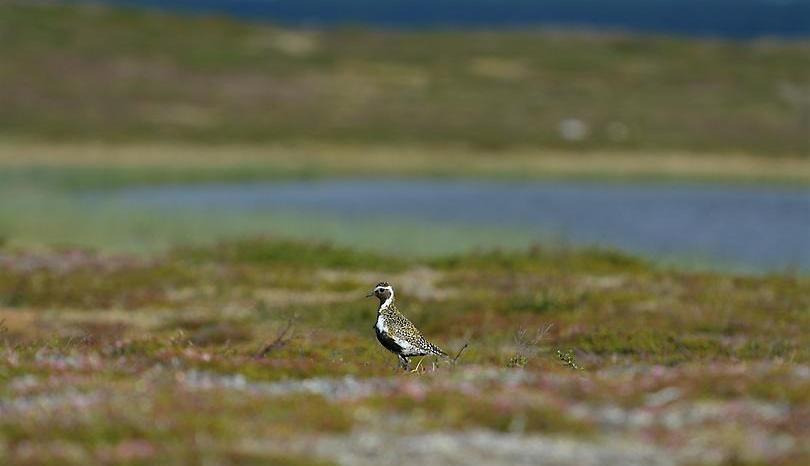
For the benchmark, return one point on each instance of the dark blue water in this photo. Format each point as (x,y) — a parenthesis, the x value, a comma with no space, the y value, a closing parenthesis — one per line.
(759,227)
(719,18)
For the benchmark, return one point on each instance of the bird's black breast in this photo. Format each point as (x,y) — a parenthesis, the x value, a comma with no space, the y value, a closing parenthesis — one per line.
(388,342)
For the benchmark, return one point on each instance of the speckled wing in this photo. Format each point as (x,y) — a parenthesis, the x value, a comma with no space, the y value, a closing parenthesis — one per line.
(412,341)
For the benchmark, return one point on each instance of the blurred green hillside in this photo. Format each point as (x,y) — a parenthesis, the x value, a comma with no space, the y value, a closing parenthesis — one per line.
(116,75)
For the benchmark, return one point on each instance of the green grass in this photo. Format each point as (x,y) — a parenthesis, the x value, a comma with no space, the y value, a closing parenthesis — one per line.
(76,166)
(133,337)
(128,75)
(154,359)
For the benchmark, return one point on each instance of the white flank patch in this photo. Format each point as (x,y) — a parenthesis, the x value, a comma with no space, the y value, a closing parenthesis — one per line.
(404,344)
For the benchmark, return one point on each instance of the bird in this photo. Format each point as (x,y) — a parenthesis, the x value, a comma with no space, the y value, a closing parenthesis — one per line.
(396,333)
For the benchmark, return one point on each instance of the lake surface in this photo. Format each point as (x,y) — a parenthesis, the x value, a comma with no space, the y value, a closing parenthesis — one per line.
(719,18)
(757,227)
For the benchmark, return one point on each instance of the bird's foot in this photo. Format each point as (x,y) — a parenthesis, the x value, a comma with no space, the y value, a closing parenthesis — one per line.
(418,365)
(404,364)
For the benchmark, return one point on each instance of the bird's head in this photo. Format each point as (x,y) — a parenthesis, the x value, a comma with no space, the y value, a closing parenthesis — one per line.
(382,291)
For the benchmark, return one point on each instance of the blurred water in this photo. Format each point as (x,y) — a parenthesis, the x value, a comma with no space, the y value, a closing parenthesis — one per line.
(767,228)
(721,18)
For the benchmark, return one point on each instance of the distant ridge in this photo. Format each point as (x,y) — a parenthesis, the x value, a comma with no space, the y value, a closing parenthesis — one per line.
(738,19)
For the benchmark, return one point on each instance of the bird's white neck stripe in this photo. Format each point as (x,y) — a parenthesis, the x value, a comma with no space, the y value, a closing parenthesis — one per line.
(387,302)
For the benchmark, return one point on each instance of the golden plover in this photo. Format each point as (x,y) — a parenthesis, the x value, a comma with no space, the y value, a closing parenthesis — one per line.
(396,333)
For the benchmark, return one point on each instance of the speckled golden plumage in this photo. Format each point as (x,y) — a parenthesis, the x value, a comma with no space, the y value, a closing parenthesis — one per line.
(396,333)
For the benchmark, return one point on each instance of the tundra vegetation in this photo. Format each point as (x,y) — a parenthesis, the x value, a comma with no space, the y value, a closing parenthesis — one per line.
(102,74)
(259,348)
(262,350)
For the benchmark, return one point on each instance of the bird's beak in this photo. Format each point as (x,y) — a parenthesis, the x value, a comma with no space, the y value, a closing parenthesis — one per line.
(370,295)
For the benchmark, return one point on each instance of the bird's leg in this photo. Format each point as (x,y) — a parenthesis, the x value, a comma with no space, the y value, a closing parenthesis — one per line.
(418,365)
(403,362)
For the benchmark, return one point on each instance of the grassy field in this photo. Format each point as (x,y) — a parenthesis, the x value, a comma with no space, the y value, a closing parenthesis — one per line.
(133,337)
(95,73)
(581,357)
(75,165)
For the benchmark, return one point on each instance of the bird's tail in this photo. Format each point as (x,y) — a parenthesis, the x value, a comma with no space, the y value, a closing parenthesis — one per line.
(436,351)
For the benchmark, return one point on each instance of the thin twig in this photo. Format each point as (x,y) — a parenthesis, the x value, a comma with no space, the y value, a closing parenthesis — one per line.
(279,342)
(458,355)
(542,332)
(4,331)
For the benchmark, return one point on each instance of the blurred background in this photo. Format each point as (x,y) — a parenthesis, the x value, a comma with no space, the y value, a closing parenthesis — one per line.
(677,130)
